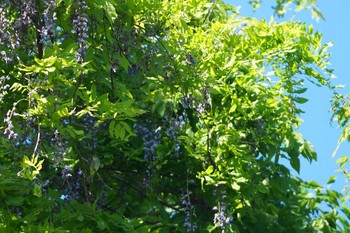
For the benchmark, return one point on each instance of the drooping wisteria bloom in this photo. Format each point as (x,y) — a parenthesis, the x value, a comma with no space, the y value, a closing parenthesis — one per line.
(221,217)
(28,12)
(80,28)
(8,40)
(151,138)
(190,214)
(9,129)
(48,21)
(4,87)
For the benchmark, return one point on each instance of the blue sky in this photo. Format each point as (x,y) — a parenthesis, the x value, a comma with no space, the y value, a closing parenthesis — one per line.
(316,126)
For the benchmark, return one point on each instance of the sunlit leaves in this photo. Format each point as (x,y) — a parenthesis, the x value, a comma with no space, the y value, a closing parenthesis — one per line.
(44,66)
(31,167)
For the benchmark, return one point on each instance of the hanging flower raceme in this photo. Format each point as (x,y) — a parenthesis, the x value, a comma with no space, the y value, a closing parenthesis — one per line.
(9,130)
(80,28)
(189,224)
(48,21)
(9,39)
(28,12)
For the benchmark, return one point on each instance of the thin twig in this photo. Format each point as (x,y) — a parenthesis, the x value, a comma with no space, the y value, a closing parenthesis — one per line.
(109,59)
(99,176)
(37,140)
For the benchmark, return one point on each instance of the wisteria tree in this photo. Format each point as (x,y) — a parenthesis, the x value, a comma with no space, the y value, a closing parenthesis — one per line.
(159,116)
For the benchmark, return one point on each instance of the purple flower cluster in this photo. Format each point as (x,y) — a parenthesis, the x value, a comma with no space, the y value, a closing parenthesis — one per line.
(66,172)
(9,128)
(6,38)
(3,86)
(48,20)
(5,35)
(190,60)
(189,213)
(220,217)
(5,58)
(72,183)
(80,28)
(151,139)
(206,102)
(60,152)
(28,11)
(199,106)
(172,125)
(260,126)
(10,31)
(71,178)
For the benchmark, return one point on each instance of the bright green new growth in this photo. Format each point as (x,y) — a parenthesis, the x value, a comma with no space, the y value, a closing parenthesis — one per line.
(158,116)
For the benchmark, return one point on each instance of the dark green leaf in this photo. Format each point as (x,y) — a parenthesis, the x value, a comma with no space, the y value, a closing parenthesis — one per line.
(295,163)
(300,100)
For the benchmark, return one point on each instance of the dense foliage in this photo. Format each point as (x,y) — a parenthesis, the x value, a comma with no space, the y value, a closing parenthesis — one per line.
(158,116)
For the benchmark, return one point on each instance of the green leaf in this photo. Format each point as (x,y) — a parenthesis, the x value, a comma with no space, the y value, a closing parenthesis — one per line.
(235,186)
(112,128)
(37,190)
(110,11)
(300,90)
(310,29)
(209,170)
(183,24)
(342,161)
(27,162)
(161,107)
(346,211)
(124,62)
(300,100)
(331,180)
(101,224)
(46,62)
(15,201)
(309,151)
(333,197)
(119,131)
(94,166)
(262,189)
(80,218)
(19,87)
(314,184)
(295,163)
(211,228)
